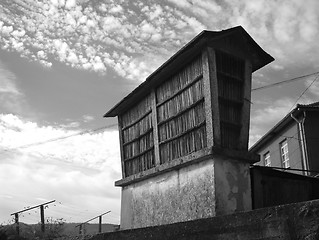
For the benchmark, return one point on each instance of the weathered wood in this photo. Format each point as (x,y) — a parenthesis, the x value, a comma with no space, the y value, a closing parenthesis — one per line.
(181,90)
(245,121)
(231,76)
(214,96)
(193,105)
(208,99)
(137,120)
(42,218)
(155,129)
(121,145)
(181,114)
(100,224)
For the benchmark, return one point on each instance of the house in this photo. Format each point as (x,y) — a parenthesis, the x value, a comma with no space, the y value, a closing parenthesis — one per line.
(293,143)
(184,133)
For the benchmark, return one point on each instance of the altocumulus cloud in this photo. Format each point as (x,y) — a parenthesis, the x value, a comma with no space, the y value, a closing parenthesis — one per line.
(95,35)
(125,36)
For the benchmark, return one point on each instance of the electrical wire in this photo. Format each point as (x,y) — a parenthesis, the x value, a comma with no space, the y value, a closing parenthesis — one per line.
(304,92)
(57,139)
(283,82)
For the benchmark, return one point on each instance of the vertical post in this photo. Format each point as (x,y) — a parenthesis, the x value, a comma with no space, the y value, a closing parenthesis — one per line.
(42,218)
(208,99)
(119,119)
(155,129)
(84,230)
(212,77)
(245,116)
(80,229)
(16,220)
(100,224)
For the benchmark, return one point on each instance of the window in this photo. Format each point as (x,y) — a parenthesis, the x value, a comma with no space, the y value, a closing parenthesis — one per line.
(267,162)
(284,154)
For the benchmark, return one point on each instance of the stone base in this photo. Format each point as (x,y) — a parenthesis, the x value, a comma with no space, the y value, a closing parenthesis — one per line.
(212,187)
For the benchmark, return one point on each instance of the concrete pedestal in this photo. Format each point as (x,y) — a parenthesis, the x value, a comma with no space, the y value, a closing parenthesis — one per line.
(217,185)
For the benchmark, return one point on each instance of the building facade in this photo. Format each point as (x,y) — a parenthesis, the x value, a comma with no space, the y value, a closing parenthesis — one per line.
(293,143)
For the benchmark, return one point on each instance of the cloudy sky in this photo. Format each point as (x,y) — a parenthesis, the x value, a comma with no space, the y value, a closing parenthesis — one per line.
(64,63)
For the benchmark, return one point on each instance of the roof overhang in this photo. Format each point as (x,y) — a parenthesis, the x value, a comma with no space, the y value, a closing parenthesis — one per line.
(258,57)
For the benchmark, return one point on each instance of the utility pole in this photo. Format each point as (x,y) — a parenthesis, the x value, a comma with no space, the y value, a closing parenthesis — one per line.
(16,216)
(81,228)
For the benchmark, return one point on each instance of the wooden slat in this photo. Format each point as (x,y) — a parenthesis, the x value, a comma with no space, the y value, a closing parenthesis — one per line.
(231,101)
(136,121)
(181,90)
(121,146)
(155,126)
(184,133)
(140,154)
(139,137)
(181,112)
(231,76)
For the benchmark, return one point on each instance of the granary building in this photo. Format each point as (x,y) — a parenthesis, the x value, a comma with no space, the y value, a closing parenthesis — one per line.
(184,133)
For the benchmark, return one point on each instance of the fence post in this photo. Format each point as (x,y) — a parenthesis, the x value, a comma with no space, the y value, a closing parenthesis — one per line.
(16,220)
(42,218)
(100,224)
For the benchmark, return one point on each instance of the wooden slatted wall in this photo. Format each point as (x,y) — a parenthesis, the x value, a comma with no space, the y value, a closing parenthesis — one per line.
(181,114)
(180,122)
(230,75)
(137,135)
(180,117)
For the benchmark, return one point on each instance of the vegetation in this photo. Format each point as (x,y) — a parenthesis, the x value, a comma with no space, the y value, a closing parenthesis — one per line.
(56,229)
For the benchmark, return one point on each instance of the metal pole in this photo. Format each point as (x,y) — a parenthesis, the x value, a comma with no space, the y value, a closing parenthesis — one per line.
(100,224)
(42,218)
(16,219)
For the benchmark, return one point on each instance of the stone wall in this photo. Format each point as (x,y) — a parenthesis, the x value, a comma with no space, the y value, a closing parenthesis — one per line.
(299,221)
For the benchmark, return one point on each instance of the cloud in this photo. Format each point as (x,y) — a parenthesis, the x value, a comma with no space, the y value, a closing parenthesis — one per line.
(87,118)
(313,86)
(264,118)
(12,97)
(67,31)
(49,170)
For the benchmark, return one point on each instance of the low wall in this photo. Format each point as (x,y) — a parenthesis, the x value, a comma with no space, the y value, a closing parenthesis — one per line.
(298,221)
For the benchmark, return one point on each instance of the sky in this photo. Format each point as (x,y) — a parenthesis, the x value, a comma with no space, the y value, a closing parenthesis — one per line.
(64,63)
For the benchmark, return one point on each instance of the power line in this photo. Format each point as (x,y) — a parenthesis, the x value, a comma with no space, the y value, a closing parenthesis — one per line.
(283,82)
(57,139)
(304,92)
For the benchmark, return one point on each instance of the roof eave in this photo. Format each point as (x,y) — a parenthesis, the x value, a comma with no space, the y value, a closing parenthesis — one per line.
(279,126)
